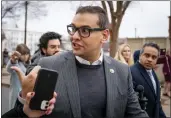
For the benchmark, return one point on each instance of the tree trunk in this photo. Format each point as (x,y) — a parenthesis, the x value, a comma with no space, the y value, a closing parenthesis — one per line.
(25,31)
(116,18)
(113,39)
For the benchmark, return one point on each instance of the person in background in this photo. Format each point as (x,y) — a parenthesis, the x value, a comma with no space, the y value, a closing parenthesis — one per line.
(136,55)
(49,44)
(167,74)
(18,58)
(5,57)
(124,54)
(143,74)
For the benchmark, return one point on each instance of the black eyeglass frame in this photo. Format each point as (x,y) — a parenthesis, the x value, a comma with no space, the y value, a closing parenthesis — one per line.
(77,29)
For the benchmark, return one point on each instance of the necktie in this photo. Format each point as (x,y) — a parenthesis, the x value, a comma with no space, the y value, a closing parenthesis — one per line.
(152,80)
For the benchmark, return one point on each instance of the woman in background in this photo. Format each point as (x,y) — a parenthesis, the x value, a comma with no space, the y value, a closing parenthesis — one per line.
(124,54)
(167,74)
(18,58)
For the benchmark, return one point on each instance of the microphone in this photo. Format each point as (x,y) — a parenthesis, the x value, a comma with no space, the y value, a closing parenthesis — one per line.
(142,100)
(140,90)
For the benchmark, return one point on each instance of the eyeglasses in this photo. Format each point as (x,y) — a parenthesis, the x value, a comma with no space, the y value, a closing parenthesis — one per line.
(83,31)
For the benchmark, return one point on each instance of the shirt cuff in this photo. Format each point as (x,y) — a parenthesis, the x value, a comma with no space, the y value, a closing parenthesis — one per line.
(20,98)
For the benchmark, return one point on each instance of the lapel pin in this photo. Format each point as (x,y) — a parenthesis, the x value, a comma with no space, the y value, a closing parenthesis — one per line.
(112,71)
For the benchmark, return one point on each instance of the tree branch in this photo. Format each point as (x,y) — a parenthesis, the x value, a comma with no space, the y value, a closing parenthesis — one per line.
(110,3)
(111,7)
(125,6)
(119,8)
(104,6)
(9,9)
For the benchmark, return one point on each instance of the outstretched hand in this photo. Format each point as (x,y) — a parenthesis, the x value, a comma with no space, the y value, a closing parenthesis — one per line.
(27,82)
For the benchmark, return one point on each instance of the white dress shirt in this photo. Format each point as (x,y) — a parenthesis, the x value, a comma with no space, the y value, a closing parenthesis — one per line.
(97,62)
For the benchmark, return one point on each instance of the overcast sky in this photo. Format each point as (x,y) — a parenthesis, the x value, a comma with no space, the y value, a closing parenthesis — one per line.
(148,17)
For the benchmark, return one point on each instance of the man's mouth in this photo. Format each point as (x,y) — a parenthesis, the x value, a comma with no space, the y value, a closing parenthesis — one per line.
(149,65)
(76,45)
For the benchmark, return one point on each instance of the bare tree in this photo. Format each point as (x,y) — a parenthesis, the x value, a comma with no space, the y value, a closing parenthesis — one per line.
(9,9)
(30,9)
(117,10)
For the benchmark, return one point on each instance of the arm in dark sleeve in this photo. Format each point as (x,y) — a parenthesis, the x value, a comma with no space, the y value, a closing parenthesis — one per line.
(16,112)
(133,109)
(30,68)
(32,65)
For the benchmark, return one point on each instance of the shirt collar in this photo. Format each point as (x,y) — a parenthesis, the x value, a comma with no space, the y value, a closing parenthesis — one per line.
(149,70)
(97,62)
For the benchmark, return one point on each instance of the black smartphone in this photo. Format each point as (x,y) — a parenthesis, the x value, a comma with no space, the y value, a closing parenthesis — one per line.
(44,89)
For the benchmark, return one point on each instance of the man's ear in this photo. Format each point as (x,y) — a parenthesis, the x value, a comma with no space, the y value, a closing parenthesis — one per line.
(106,34)
(44,50)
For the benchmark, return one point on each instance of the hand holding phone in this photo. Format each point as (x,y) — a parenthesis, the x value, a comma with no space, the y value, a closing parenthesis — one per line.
(44,89)
(37,113)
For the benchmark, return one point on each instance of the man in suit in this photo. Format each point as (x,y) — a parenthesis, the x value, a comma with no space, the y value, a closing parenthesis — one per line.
(143,74)
(90,84)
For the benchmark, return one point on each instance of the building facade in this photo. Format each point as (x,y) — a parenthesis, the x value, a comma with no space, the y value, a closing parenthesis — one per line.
(15,37)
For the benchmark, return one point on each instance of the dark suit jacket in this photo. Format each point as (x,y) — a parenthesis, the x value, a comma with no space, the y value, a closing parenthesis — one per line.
(141,77)
(136,55)
(34,61)
(121,98)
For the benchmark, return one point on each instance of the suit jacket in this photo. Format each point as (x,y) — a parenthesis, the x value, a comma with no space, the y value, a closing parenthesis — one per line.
(121,98)
(34,61)
(141,77)
(136,55)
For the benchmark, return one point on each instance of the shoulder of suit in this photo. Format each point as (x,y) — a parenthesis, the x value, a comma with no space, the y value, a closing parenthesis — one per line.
(55,58)
(116,64)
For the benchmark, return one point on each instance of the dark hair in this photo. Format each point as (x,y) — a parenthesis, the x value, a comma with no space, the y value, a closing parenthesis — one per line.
(23,49)
(154,45)
(103,19)
(44,39)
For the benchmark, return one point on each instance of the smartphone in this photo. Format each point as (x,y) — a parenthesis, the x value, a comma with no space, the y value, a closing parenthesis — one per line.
(44,89)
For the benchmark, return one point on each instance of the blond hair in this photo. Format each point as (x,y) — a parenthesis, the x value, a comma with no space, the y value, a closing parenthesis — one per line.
(120,57)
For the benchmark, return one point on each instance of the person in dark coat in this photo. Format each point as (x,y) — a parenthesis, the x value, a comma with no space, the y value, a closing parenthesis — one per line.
(136,55)
(143,74)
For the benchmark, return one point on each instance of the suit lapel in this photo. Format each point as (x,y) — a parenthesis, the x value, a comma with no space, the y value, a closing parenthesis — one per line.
(146,77)
(111,81)
(72,85)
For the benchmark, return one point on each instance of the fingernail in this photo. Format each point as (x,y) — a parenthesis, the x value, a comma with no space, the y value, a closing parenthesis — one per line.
(31,94)
(50,104)
(47,112)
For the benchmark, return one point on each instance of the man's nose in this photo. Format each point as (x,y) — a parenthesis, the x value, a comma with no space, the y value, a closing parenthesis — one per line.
(150,59)
(75,36)
(57,49)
